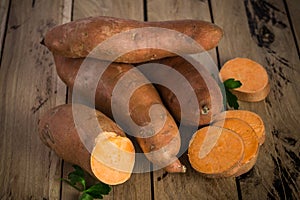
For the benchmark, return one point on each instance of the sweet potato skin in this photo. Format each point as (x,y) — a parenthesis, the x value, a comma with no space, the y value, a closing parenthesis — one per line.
(203,85)
(140,102)
(78,38)
(57,130)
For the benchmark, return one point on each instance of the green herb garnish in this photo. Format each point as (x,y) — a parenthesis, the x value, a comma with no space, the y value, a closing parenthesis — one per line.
(231,98)
(76,180)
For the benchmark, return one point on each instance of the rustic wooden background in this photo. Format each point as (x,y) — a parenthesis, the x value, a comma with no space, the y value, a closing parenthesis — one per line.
(267,31)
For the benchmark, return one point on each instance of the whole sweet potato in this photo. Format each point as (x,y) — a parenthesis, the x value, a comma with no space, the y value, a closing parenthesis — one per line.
(124,94)
(196,80)
(139,41)
(80,141)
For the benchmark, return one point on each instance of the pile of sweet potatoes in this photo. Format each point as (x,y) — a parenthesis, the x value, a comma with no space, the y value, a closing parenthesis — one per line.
(123,101)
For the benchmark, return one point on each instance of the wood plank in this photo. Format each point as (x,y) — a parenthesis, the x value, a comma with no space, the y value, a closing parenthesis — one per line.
(29,87)
(294,11)
(260,31)
(191,185)
(117,8)
(138,187)
(3,17)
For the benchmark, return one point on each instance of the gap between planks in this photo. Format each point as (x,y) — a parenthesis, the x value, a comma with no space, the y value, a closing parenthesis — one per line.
(4,25)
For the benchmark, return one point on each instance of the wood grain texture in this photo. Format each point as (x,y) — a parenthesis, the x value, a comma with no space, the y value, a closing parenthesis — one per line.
(191,185)
(4,4)
(294,10)
(259,30)
(28,87)
(138,186)
(128,9)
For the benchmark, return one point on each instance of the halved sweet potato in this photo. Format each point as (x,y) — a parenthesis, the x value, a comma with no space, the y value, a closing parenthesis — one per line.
(76,140)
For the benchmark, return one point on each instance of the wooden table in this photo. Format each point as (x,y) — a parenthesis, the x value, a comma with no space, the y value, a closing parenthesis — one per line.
(267,31)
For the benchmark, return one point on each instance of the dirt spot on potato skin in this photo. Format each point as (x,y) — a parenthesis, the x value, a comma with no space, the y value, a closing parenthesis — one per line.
(46,135)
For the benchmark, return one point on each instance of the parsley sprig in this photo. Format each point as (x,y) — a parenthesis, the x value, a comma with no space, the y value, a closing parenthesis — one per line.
(232,100)
(76,179)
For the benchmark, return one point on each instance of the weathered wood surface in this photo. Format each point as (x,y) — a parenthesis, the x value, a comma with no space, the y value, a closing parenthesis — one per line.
(260,30)
(293,7)
(191,185)
(28,87)
(4,6)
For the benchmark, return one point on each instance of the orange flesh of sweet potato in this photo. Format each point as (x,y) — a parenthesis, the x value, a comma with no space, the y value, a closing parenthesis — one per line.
(214,151)
(112,158)
(250,140)
(78,38)
(206,89)
(251,118)
(57,129)
(254,78)
(160,148)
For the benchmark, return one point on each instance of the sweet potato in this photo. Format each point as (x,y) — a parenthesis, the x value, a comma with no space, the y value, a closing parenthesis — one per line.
(140,114)
(251,118)
(214,151)
(251,146)
(180,102)
(254,78)
(78,140)
(79,38)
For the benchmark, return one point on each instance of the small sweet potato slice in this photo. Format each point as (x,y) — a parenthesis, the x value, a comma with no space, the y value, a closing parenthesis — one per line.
(214,151)
(254,78)
(253,119)
(251,146)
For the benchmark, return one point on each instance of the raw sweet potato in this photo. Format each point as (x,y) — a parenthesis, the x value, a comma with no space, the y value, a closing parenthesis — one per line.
(214,151)
(79,38)
(78,141)
(254,78)
(251,146)
(251,118)
(208,100)
(139,111)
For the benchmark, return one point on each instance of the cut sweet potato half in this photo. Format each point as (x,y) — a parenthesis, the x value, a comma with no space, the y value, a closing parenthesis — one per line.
(112,158)
(253,119)
(254,78)
(214,151)
(250,140)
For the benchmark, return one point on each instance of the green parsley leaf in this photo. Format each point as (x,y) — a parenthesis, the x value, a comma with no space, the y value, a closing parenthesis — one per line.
(86,196)
(78,170)
(98,190)
(231,98)
(74,179)
(77,176)
(231,83)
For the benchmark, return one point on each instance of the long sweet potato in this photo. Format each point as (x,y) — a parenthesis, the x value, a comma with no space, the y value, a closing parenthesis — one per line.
(208,100)
(78,141)
(155,129)
(77,39)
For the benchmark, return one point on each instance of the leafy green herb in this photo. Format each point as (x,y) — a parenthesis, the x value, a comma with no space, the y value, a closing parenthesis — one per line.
(76,179)
(231,98)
